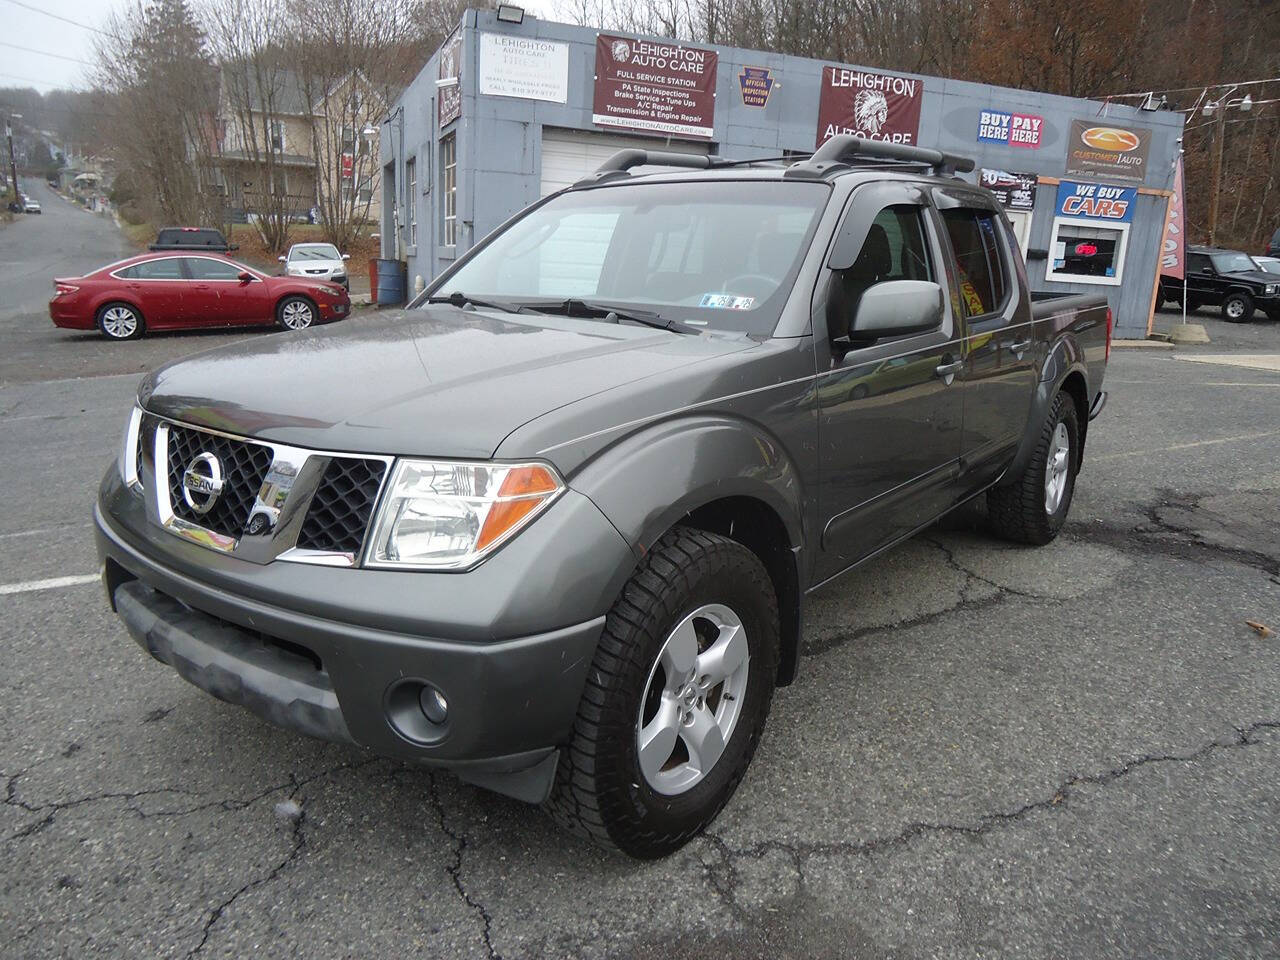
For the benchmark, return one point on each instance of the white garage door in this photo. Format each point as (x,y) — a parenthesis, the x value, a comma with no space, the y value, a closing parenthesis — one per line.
(570,155)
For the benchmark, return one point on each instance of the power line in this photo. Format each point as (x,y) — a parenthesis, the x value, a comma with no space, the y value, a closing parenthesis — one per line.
(1205,87)
(48,83)
(46,13)
(45,53)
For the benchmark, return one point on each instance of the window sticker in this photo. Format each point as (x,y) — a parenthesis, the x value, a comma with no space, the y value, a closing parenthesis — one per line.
(726,301)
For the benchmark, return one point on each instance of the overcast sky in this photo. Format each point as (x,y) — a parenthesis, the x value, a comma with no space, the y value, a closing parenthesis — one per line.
(25,26)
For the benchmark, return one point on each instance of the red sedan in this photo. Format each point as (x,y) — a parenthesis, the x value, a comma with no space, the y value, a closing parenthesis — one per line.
(190,291)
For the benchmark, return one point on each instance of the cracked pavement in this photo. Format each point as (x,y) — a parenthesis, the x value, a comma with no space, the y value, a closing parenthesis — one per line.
(990,750)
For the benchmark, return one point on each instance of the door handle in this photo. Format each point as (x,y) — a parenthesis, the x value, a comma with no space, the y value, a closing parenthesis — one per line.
(1019,346)
(947,371)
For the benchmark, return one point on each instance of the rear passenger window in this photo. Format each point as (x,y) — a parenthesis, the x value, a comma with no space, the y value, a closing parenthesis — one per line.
(984,281)
(167,269)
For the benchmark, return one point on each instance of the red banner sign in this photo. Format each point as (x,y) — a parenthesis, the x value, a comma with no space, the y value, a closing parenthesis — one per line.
(449,96)
(655,86)
(877,106)
(1173,257)
(348,166)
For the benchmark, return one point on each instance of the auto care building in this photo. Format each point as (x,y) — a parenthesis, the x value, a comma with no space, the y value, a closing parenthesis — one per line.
(512,108)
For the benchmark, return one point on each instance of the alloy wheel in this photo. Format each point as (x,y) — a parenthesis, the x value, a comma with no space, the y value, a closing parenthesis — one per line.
(296,315)
(120,323)
(1056,469)
(693,699)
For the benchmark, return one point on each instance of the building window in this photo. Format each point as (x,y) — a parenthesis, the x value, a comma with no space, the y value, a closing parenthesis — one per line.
(279,182)
(277,136)
(1087,251)
(411,201)
(449,188)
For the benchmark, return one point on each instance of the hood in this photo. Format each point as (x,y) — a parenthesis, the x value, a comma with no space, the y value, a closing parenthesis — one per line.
(316,265)
(1253,276)
(438,381)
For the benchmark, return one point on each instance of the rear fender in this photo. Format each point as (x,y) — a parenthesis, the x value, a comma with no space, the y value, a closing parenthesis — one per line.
(1065,358)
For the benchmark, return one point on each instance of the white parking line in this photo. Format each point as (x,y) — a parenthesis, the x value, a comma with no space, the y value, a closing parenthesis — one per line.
(1186,446)
(52,583)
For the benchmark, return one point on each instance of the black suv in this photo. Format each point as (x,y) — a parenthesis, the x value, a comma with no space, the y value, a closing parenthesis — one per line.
(1226,278)
(192,238)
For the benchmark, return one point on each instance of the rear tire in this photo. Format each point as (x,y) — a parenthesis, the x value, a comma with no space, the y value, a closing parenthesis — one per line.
(1033,506)
(1237,308)
(690,585)
(120,321)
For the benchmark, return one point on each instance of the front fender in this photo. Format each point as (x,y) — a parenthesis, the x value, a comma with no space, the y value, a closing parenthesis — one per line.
(645,483)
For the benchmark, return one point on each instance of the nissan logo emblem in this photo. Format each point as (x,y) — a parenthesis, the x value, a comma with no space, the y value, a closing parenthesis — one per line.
(202,483)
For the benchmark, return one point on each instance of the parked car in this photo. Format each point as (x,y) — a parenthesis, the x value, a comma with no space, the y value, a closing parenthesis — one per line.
(1268,264)
(1225,278)
(321,261)
(1273,245)
(30,205)
(176,292)
(192,238)
(587,480)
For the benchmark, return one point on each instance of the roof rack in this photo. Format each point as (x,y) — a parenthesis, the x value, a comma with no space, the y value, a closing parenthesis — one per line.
(622,161)
(842,152)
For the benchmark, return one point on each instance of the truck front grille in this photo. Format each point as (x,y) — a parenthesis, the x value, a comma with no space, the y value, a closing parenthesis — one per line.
(342,506)
(244,467)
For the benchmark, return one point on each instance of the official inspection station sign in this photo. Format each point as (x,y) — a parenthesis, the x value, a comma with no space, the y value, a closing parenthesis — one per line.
(655,86)
(524,67)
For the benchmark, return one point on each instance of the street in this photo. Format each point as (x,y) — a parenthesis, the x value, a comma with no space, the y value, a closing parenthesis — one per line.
(989,750)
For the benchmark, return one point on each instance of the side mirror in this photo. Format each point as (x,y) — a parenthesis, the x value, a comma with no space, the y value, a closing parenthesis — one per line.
(895,308)
(244,276)
(283,259)
(346,256)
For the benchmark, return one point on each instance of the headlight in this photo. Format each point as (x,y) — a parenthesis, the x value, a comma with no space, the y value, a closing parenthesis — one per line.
(1272,289)
(129,450)
(440,515)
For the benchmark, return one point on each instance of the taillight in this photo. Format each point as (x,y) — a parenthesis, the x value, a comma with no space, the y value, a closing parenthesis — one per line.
(1109,320)
(62,289)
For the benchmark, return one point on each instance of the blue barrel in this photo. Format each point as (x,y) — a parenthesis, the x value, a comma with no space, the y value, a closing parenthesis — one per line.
(391,282)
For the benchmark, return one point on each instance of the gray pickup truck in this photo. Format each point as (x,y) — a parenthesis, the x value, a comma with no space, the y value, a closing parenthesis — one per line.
(552,527)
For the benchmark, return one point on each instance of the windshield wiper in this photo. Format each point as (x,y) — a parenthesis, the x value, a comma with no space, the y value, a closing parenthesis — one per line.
(603,311)
(459,299)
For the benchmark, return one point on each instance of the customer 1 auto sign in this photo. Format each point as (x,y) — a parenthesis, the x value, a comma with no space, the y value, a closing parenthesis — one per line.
(656,86)
(877,106)
(1098,149)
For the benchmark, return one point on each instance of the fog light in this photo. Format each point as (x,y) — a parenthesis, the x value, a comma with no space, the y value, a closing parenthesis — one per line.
(434,705)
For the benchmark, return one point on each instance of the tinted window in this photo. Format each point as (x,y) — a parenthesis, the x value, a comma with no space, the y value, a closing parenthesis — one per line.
(168,269)
(1197,261)
(202,268)
(203,238)
(904,231)
(983,278)
(1233,263)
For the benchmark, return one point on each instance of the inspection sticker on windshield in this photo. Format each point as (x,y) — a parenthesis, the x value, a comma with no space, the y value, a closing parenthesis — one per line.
(726,301)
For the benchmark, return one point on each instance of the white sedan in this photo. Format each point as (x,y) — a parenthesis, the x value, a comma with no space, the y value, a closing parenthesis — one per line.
(317,261)
(30,206)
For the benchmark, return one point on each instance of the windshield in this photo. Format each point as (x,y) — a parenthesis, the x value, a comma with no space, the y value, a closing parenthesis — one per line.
(1270,266)
(720,255)
(1233,263)
(315,251)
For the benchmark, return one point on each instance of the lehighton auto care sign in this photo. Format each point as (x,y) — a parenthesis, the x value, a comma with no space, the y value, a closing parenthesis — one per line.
(1103,151)
(524,67)
(876,106)
(1096,201)
(658,87)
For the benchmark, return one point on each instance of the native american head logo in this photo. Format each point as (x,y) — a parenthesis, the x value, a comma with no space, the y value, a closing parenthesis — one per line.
(870,111)
(621,51)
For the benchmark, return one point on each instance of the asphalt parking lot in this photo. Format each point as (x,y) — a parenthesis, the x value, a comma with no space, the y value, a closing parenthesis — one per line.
(990,751)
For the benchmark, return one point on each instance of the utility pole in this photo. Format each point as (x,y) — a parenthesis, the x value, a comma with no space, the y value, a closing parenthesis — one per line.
(1219,134)
(13,166)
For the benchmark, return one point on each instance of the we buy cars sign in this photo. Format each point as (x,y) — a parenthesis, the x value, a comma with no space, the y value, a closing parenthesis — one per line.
(875,106)
(1096,201)
(655,86)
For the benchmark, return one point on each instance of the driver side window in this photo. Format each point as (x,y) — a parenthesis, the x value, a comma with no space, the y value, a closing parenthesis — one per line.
(895,249)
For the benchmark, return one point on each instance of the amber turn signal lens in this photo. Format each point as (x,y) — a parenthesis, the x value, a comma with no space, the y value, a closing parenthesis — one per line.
(523,490)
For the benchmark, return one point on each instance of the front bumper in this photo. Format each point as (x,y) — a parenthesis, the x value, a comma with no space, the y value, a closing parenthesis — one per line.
(341,654)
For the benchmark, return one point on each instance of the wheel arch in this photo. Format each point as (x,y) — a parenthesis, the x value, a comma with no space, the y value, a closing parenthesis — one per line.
(1064,369)
(718,474)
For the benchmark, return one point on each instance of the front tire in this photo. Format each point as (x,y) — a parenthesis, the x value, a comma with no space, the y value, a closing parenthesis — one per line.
(120,321)
(676,698)
(1033,506)
(1237,308)
(296,313)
